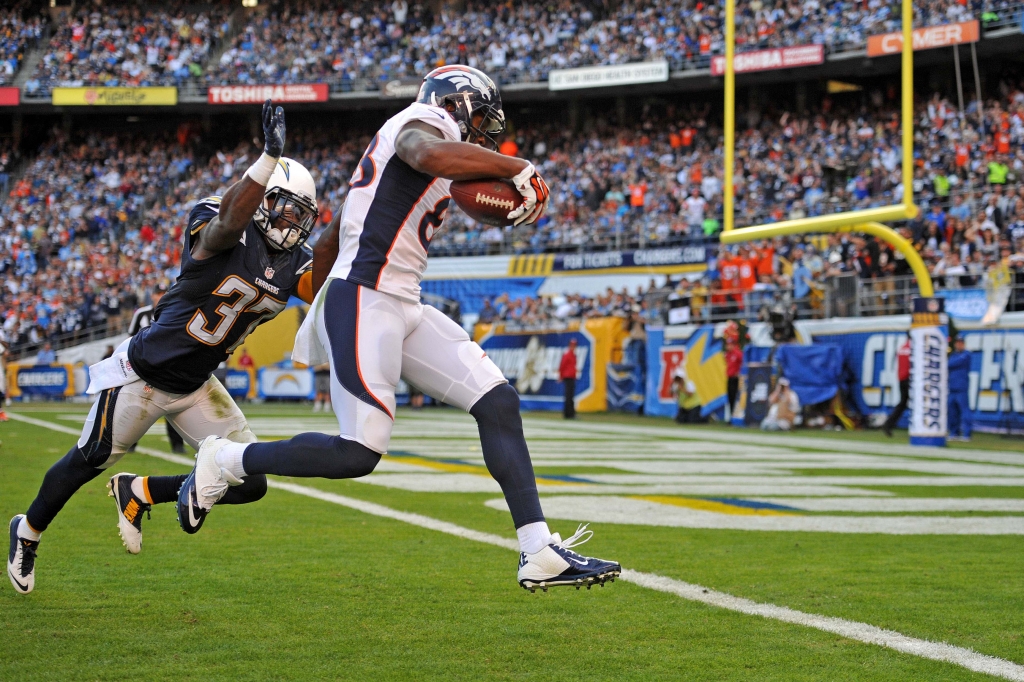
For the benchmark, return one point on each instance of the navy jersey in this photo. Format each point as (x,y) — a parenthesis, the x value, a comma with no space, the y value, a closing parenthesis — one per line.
(214,305)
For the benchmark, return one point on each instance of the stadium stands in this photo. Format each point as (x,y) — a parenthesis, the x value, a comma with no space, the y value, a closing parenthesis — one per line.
(93,219)
(19,31)
(362,45)
(129,45)
(99,220)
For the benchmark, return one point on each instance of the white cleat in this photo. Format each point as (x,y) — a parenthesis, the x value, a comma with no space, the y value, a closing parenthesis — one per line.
(21,559)
(557,565)
(211,481)
(207,483)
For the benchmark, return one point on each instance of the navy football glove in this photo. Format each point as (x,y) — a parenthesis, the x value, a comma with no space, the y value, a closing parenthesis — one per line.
(273,130)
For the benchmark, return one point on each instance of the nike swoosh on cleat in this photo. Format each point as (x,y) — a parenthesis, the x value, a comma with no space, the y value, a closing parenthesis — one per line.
(579,563)
(23,587)
(191,515)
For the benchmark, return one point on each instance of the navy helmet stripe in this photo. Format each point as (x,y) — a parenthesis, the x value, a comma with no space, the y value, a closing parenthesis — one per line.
(343,332)
(399,190)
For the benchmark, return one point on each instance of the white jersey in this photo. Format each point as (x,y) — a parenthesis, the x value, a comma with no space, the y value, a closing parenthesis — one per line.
(392,211)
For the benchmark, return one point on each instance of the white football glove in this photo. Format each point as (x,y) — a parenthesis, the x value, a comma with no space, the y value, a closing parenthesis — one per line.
(535,196)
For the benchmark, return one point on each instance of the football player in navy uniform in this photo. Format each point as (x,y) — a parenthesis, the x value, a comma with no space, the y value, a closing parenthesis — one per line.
(244,255)
(369,323)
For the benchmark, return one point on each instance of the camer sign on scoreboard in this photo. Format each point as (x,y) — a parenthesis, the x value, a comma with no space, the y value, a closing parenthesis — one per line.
(257,94)
(927,38)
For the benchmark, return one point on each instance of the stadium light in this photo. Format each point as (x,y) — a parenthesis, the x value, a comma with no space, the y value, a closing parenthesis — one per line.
(867,220)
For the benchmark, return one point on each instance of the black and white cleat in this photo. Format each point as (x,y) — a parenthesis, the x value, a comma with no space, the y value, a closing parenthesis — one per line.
(556,565)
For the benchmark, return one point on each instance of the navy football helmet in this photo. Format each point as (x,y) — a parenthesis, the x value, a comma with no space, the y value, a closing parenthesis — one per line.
(465,92)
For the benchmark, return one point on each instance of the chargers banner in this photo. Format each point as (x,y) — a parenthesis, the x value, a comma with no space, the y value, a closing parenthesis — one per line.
(529,359)
(42,380)
(241,383)
(929,381)
(625,387)
(690,351)
(996,379)
(285,382)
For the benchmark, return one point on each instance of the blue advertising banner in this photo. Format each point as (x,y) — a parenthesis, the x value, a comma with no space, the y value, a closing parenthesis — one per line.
(996,379)
(964,304)
(625,387)
(239,383)
(530,359)
(530,362)
(691,352)
(641,258)
(813,371)
(46,380)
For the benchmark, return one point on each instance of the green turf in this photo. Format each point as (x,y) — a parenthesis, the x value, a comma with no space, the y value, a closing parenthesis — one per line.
(296,588)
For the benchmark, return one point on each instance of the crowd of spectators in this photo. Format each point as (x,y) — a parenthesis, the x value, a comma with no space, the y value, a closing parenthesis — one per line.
(363,44)
(661,181)
(94,223)
(315,40)
(20,30)
(130,45)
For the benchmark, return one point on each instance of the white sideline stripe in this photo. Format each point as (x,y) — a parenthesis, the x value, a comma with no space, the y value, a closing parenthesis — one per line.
(861,632)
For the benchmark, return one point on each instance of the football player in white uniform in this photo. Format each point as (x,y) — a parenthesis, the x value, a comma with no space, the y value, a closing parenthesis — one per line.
(369,323)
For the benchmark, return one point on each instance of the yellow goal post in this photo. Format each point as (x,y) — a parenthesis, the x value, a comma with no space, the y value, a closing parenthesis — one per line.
(867,221)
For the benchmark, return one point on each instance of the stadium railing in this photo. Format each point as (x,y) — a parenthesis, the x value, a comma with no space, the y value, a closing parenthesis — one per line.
(20,350)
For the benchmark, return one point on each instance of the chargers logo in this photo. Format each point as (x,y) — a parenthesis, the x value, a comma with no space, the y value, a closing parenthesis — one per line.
(287,377)
(702,360)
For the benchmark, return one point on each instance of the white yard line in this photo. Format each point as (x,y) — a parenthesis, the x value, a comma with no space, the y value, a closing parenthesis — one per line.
(861,632)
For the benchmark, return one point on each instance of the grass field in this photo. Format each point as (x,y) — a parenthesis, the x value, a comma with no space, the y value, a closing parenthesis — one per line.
(924,543)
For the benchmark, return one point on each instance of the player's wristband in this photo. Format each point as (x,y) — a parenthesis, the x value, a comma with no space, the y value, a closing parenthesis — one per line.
(261,171)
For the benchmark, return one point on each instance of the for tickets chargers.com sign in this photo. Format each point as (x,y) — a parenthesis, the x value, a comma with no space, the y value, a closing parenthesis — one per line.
(530,360)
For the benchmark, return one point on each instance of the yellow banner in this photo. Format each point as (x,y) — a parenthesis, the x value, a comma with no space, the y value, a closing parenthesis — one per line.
(115,97)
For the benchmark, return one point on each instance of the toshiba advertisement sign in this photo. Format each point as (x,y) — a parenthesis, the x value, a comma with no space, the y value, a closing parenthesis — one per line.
(928,38)
(256,94)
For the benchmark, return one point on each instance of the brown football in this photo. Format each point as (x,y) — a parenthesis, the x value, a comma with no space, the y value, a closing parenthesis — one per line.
(487,201)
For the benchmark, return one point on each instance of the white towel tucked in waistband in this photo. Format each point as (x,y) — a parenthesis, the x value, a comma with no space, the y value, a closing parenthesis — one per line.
(114,371)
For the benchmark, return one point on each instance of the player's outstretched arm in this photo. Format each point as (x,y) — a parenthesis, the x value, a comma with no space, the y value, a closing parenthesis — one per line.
(424,148)
(240,202)
(325,251)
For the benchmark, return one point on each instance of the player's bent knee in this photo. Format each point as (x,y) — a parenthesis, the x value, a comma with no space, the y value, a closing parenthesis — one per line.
(354,460)
(243,436)
(252,489)
(500,403)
